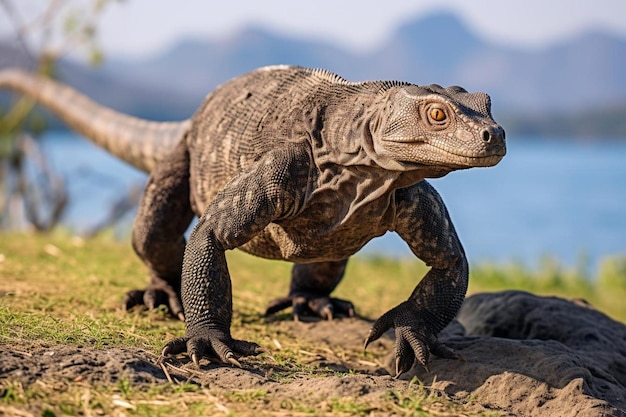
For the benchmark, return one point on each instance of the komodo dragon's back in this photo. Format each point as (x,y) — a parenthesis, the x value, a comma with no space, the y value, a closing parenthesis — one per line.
(252,114)
(141,143)
(260,109)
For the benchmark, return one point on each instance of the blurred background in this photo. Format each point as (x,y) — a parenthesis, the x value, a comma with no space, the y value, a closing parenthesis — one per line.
(556,72)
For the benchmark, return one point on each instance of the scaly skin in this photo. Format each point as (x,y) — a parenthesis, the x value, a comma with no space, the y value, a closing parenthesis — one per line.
(301,165)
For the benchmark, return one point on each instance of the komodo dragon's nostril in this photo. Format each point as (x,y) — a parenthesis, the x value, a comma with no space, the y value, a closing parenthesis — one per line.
(487,135)
(492,134)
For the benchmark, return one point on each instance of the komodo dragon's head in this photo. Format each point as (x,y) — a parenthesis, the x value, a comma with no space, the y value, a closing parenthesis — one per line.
(440,127)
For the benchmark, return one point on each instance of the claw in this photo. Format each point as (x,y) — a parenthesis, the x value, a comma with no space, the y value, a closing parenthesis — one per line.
(230,358)
(327,313)
(174,347)
(298,309)
(380,326)
(399,371)
(259,350)
(273,359)
(397,375)
(194,359)
(403,364)
(405,357)
(369,339)
(181,316)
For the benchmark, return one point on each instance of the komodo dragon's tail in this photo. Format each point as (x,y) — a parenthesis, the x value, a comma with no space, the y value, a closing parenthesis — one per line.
(141,143)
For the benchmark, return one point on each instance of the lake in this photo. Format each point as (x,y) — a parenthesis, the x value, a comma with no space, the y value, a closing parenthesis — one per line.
(558,198)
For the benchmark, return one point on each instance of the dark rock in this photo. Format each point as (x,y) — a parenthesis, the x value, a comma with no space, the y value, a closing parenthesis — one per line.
(534,356)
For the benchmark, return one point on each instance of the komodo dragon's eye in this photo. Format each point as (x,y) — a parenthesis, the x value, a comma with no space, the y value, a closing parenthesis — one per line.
(437,115)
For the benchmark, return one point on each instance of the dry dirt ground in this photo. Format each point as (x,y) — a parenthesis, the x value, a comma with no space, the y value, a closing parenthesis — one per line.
(334,374)
(524,356)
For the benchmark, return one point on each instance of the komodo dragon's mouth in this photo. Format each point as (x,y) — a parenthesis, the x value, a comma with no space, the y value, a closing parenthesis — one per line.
(452,157)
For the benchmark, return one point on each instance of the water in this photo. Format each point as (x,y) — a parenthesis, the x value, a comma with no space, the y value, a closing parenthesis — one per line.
(545,198)
(562,199)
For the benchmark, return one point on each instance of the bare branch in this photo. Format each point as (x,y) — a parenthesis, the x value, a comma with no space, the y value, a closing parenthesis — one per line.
(25,173)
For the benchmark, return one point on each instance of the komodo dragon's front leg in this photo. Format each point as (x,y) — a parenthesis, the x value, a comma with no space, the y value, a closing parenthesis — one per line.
(422,220)
(237,213)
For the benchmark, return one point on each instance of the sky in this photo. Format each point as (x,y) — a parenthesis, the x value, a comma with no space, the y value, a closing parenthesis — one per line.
(145,27)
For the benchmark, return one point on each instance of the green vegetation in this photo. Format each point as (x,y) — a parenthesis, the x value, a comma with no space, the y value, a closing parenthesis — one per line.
(60,290)
(605,289)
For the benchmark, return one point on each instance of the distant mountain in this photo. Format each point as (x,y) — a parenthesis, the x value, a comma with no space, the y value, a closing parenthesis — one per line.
(584,75)
(428,50)
(586,71)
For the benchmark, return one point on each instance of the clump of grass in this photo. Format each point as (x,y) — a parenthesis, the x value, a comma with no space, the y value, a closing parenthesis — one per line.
(605,289)
(59,290)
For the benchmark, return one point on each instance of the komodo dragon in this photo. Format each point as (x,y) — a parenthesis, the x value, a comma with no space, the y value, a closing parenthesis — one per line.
(296,164)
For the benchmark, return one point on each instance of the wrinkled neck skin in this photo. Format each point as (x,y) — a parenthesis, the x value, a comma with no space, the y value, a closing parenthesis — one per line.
(348,163)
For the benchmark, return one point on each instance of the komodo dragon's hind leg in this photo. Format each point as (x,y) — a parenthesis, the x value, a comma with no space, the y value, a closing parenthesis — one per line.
(309,293)
(163,215)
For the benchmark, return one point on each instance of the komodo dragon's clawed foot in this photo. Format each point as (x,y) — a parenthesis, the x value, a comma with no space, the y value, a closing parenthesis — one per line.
(414,341)
(312,305)
(214,344)
(154,296)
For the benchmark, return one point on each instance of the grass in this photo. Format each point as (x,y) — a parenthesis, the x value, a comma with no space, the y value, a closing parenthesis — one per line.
(61,290)
(605,289)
